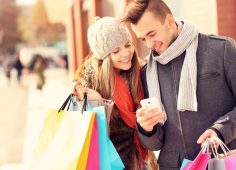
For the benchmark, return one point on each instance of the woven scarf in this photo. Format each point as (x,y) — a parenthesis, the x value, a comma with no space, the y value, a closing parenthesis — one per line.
(124,102)
(187,40)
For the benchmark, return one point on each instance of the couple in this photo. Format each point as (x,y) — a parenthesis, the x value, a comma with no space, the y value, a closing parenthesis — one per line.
(191,74)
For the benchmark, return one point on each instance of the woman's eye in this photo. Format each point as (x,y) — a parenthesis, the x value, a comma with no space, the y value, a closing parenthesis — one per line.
(127,45)
(115,52)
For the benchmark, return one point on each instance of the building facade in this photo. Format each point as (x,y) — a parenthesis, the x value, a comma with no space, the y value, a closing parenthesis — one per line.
(212,17)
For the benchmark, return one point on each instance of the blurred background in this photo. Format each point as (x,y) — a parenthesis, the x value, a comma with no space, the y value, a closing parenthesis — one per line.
(42,43)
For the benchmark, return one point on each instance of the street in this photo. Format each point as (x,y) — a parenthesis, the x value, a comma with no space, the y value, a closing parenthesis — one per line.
(12,121)
(23,109)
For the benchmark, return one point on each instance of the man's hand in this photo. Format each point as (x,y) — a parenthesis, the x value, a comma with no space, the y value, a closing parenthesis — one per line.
(148,117)
(211,135)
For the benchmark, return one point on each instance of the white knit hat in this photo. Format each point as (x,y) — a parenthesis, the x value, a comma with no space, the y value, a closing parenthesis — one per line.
(106,34)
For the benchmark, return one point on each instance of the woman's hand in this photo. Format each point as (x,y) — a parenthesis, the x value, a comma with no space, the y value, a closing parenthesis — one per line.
(79,91)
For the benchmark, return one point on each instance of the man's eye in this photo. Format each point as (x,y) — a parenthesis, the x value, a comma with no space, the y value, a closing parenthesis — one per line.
(152,35)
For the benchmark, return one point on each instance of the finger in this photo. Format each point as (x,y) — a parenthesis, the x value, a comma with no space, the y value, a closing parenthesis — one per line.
(157,119)
(80,92)
(86,90)
(77,86)
(150,121)
(140,119)
(202,138)
(140,112)
(213,146)
(150,114)
(214,142)
(75,89)
(152,108)
(148,125)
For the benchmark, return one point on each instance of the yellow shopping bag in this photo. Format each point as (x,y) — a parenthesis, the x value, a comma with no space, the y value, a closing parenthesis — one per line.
(82,162)
(63,141)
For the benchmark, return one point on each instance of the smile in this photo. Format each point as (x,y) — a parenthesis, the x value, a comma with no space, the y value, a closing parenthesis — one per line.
(124,61)
(157,48)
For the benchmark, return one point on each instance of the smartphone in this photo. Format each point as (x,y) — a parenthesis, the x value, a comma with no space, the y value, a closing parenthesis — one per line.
(151,100)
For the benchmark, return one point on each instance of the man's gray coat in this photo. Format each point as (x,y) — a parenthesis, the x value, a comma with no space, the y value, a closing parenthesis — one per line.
(216,95)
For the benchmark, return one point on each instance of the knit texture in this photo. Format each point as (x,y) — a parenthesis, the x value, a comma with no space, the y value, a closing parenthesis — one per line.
(106,34)
(186,40)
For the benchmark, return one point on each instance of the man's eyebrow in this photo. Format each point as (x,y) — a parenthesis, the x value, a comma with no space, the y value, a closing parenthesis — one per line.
(146,34)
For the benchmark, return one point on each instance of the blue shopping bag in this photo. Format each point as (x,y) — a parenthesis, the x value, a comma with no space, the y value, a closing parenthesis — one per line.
(185,163)
(109,157)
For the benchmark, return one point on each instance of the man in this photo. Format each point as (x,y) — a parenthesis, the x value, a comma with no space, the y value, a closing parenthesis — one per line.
(194,79)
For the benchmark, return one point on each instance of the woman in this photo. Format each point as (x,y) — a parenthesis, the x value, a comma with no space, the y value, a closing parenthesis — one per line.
(111,73)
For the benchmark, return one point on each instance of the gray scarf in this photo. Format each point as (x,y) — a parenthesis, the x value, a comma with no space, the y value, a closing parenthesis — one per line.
(186,40)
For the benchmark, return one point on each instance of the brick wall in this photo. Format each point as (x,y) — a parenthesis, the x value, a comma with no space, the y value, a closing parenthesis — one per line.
(226,10)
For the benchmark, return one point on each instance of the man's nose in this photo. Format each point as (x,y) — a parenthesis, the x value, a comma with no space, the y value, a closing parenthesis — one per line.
(149,44)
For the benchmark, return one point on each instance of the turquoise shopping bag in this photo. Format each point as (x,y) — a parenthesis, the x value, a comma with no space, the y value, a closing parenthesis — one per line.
(109,158)
(201,160)
(185,163)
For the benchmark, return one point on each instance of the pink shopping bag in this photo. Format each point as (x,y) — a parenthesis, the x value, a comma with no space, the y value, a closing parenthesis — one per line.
(224,161)
(230,160)
(200,162)
(93,156)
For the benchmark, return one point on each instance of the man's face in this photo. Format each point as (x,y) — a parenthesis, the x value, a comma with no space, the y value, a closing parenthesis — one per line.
(156,35)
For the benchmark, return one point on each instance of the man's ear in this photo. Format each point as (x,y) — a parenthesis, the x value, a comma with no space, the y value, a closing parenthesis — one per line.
(170,20)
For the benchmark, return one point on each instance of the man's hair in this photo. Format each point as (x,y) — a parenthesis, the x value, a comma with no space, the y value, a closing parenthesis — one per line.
(136,9)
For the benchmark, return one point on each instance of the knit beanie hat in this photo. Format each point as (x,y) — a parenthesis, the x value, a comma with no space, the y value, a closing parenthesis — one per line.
(106,34)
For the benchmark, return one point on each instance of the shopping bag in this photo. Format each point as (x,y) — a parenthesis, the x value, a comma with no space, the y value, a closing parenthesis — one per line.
(185,163)
(83,157)
(224,161)
(109,158)
(200,162)
(64,140)
(93,155)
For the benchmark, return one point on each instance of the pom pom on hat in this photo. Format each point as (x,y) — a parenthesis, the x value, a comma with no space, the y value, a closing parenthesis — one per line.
(106,34)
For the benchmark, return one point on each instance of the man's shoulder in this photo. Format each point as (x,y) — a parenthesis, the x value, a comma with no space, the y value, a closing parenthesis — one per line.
(215,41)
(213,37)
(216,37)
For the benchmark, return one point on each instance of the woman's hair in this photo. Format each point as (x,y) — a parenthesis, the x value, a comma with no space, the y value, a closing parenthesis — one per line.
(104,35)
(136,9)
(103,78)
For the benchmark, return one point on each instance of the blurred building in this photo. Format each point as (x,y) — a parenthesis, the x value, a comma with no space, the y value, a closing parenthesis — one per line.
(212,17)
(56,11)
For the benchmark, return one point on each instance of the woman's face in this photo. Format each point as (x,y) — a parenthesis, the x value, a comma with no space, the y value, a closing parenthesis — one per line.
(121,57)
